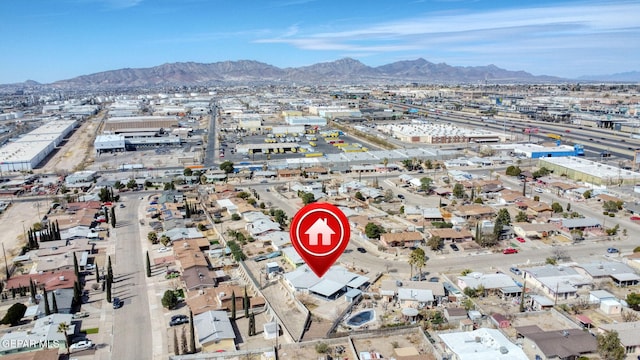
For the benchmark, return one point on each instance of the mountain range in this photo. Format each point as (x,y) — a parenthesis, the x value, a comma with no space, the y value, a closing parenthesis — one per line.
(344,70)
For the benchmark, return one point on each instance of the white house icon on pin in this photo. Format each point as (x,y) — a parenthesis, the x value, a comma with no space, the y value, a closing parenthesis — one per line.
(320,227)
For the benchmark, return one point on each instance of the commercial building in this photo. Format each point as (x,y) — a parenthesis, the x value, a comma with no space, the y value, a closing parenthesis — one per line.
(590,172)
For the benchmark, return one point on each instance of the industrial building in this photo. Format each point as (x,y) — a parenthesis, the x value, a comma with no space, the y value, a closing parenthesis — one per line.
(117,125)
(590,172)
(27,152)
(306,120)
(438,133)
(535,151)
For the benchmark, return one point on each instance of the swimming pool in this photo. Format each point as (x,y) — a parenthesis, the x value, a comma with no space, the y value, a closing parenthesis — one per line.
(361,318)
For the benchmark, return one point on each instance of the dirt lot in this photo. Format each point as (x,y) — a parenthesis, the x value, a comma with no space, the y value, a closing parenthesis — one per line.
(18,218)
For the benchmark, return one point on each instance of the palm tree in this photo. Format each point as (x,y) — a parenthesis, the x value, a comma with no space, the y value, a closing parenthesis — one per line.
(418,259)
(385,162)
(63,327)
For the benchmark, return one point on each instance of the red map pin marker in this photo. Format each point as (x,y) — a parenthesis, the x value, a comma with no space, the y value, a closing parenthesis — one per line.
(320,233)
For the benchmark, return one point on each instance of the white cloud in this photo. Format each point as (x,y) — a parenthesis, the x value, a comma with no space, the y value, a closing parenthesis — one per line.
(550,27)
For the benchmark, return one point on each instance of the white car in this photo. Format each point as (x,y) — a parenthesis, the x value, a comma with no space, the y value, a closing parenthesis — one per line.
(164,249)
(89,267)
(81,345)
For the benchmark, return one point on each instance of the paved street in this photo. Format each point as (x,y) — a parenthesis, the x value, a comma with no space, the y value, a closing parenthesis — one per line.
(131,323)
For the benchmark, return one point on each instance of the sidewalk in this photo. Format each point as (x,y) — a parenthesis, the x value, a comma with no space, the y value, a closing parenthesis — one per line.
(154,293)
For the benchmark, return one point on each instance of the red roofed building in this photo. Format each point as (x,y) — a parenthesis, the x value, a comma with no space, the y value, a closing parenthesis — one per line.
(51,280)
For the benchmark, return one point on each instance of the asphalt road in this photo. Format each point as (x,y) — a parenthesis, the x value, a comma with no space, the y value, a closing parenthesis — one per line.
(210,152)
(132,322)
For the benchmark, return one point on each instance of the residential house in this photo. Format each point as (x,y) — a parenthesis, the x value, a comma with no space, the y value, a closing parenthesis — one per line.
(557,344)
(288,173)
(44,334)
(496,284)
(197,277)
(474,211)
(451,235)
(64,302)
(51,280)
(534,230)
(628,335)
(621,274)
(482,343)
(402,239)
(415,298)
(557,282)
(220,299)
(214,331)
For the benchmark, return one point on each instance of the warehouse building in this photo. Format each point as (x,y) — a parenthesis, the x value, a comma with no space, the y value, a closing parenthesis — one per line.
(117,125)
(590,172)
(109,143)
(29,151)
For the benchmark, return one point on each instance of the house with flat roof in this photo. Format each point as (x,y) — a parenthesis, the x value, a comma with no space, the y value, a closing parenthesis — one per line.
(337,281)
(481,344)
(43,334)
(557,282)
(498,284)
(621,274)
(402,239)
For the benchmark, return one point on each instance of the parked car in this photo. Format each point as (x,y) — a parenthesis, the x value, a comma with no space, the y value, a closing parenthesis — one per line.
(520,239)
(80,315)
(164,249)
(612,250)
(454,247)
(361,250)
(260,258)
(178,320)
(117,303)
(81,345)
(400,196)
(510,251)
(419,277)
(89,267)
(515,270)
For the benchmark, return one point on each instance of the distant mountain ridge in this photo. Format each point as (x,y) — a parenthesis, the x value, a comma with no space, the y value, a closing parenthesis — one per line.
(344,70)
(629,76)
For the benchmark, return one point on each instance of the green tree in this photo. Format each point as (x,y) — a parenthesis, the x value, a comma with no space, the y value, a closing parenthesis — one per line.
(153,237)
(233,305)
(118,185)
(307,198)
(235,217)
(611,206)
(165,240)
(252,324)
(513,171)
(169,299)
(435,243)
(54,302)
(76,268)
(227,167)
(14,314)
(169,186)
(279,216)
(556,207)
(425,184)
(148,262)
(132,184)
(113,217)
(609,346)
(187,172)
(64,328)
(521,217)
(47,309)
(417,259)
(633,299)
(359,196)
(373,231)
(458,191)
(108,286)
(587,194)
(246,303)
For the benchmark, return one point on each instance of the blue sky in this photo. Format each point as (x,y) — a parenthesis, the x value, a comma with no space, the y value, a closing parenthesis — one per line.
(49,40)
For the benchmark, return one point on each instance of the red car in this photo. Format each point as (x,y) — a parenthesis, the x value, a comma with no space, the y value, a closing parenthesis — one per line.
(520,239)
(509,251)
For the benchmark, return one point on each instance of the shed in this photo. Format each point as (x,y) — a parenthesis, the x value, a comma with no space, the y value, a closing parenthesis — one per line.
(352,295)
(474,315)
(610,307)
(500,320)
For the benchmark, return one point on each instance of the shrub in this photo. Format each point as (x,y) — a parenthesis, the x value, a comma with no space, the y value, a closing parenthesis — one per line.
(14,314)
(169,300)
